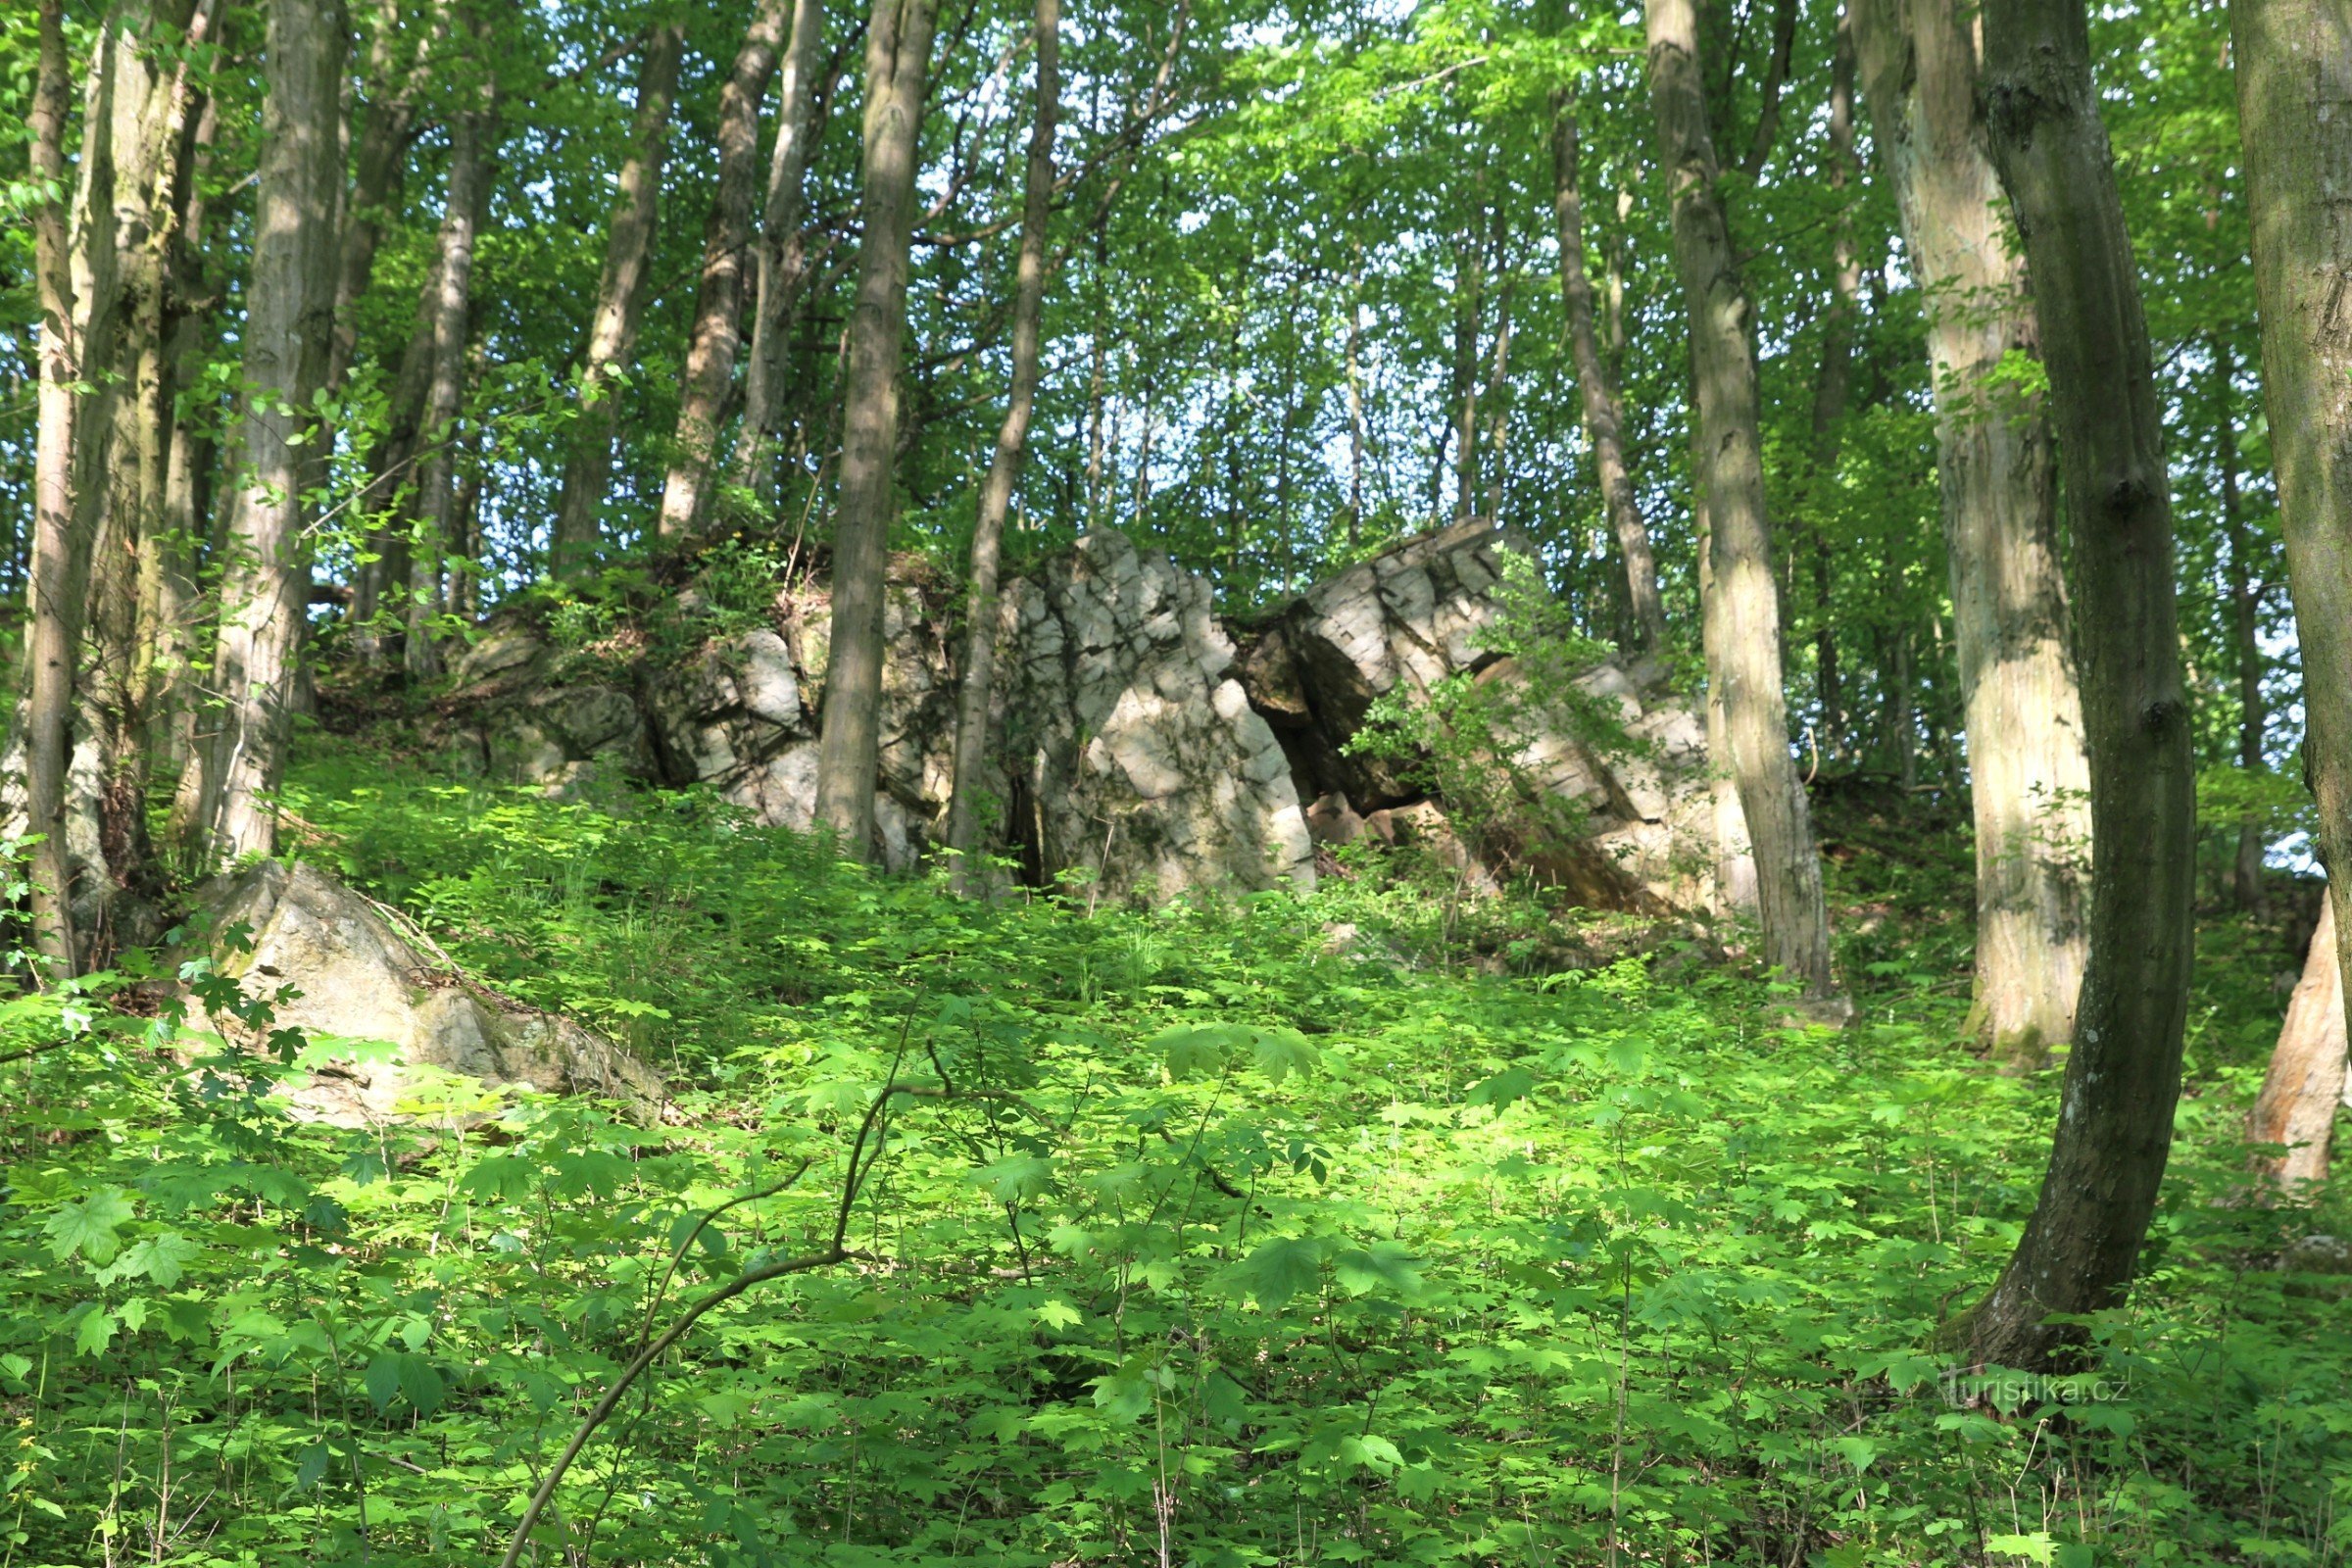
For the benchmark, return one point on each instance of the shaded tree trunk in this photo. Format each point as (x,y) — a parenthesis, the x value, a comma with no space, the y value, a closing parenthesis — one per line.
(619,305)
(718,299)
(897,52)
(289,317)
(1596,386)
(1005,468)
(399,63)
(2244,626)
(435,516)
(1742,608)
(2294,82)
(2305,1084)
(60,571)
(2123,1077)
(1469,306)
(783,257)
(2029,775)
(1833,381)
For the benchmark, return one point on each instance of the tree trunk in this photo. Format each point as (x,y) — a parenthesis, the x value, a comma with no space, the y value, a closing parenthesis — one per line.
(1469,305)
(783,257)
(619,305)
(2030,776)
(379,581)
(399,66)
(289,317)
(435,516)
(2244,626)
(2123,1077)
(1005,468)
(136,155)
(719,300)
(1742,608)
(2294,82)
(1498,423)
(60,564)
(1597,387)
(2305,1086)
(897,52)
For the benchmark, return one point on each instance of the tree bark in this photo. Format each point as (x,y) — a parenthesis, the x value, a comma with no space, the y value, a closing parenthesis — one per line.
(897,52)
(1469,306)
(289,318)
(2030,776)
(61,565)
(2294,98)
(783,257)
(1742,608)
(137,154)
(433,525)
(2305,1085)
(619,305)
(1005,468)
(399,63)
(718,299)
(2245,625)
(1597,387)
(2123,1077)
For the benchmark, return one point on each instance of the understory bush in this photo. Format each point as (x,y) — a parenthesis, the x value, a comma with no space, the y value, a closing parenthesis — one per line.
(1229,1232)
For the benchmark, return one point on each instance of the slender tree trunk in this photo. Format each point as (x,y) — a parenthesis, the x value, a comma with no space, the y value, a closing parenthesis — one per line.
(2123,1077)
(2245,625)
(1005,468)
(60,562)
(619,304)
(1469,306)
(1596,386)
(1742,609)
(168,644)
(898,52)
(783,258)
(380,582)
(718,301)
(2305,1084)
(289,318)
(1833,379)
(399,66)
(2294,82)
(1355,400)
(1498,426)
(2030,777)
(452,310)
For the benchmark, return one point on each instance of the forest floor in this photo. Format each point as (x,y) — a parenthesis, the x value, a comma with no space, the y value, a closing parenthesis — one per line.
(1212,1238)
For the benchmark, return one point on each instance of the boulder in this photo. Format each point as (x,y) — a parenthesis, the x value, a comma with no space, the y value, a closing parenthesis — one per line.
(361,979)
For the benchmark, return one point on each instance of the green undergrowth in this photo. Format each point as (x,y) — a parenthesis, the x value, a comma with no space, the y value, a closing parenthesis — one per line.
(1262,1232)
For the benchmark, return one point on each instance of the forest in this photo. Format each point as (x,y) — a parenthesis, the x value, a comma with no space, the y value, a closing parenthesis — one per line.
(1210,782)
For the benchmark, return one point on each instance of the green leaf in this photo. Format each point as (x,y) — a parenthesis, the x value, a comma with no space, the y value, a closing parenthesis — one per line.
(1017,1179)
(87,1226)
(162,1258)
(1383,1265)
(312,1466)
(2035,1547)
(1506,1086)
(1059,1314)
(93,1333)
(1281,1269)
(1858,1453)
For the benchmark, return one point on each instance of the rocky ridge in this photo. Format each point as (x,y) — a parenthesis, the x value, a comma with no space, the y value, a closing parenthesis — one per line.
(1139,742)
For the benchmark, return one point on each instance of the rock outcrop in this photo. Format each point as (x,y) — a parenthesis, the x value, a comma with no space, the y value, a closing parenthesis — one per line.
(1139,741)
(362,981)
